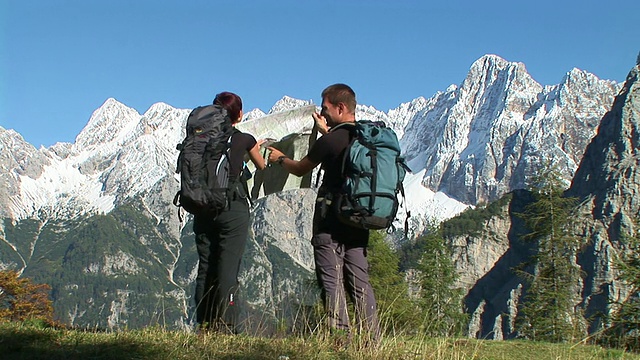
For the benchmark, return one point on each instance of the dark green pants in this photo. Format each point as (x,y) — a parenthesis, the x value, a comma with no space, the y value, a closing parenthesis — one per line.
(220,242)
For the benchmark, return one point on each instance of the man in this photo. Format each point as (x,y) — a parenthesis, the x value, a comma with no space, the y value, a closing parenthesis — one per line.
(340,251)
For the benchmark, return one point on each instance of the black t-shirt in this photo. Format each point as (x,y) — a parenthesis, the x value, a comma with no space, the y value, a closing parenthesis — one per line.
(329,150)
(241,143)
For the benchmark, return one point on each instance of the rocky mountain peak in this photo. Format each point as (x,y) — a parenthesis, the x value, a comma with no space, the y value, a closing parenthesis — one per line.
(578,83)
(112,115)
(157,109)
(253,114)
(609,173)
(577,75)
(288,103)
(511,122)
(400,116)
(17,154)
(18,160)
(494,71)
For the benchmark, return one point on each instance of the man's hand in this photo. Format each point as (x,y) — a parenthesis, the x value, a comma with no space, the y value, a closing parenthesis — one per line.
(274,154)
(321,123)
(295,167)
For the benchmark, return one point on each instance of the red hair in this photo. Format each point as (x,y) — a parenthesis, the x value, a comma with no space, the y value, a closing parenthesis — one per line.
(230,102)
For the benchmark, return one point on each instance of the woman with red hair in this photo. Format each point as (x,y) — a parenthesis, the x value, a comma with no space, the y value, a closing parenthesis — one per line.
(221,239)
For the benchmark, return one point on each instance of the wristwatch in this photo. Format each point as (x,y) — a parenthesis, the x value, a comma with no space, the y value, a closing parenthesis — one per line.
(281,159)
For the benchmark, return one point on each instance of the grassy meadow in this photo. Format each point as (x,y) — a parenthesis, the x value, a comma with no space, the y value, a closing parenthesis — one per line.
(30,341)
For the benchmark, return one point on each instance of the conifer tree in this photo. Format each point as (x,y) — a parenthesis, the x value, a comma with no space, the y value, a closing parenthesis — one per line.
(397,311)
(549,311)
(441,303)
(625,329)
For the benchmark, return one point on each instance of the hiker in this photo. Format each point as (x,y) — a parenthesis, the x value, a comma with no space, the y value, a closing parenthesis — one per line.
(221,238)
(340,250)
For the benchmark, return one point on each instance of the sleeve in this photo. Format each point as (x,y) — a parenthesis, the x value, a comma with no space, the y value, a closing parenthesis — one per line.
(249,141)
(320,150)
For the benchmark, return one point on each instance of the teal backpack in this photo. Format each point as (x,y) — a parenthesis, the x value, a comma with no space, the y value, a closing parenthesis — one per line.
(373,171)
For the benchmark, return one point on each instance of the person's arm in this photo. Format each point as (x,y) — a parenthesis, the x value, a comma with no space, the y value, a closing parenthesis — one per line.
(256,157)
(295,167)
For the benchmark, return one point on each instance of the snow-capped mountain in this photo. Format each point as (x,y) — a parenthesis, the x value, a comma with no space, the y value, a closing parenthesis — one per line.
(483,138)
(469,144)
(510,123)
(288,103)
(118,155)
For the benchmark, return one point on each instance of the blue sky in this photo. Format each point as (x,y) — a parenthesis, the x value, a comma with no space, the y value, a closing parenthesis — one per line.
(60,60)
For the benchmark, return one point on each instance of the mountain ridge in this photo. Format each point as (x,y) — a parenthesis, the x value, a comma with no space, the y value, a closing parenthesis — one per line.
(120,153)
(467,145)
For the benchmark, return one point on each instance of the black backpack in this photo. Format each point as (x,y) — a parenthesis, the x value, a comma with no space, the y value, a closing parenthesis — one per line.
(203,162)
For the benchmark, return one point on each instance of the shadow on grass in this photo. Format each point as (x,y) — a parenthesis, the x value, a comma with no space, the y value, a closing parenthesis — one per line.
(16,343)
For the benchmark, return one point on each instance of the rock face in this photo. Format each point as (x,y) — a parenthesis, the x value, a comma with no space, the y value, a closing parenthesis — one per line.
(607,185)
(609,176)
(17,158)
(485,263)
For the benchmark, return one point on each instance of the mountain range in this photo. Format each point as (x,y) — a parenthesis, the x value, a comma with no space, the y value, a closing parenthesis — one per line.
(94,218)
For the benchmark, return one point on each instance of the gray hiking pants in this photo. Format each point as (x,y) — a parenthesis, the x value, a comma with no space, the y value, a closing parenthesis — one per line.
(341,267)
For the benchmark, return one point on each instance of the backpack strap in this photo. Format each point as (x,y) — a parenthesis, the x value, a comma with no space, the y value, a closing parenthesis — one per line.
(404,203)
(176,202)
(404,198)
(244,181)
(242,176)
(351,126)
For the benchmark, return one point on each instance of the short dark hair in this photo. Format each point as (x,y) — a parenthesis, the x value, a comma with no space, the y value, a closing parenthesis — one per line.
(340,93)
(230,102)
